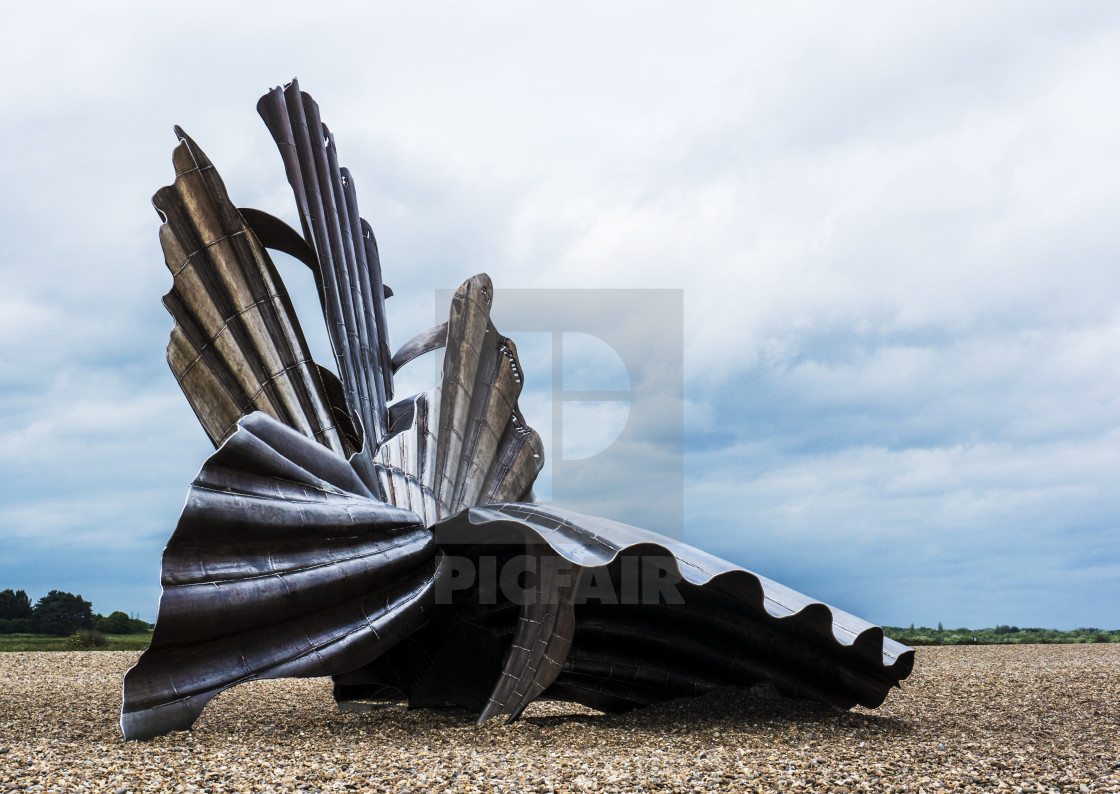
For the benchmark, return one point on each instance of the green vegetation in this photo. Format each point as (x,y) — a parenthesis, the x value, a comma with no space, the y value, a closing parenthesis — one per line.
(85,640)
(15,611)
(47,642)
(119,623)
(61,614)
(1000,635)
(60,618)
(14,604)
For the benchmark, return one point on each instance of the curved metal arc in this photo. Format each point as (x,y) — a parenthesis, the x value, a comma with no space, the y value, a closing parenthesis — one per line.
(424,342)
(279,236)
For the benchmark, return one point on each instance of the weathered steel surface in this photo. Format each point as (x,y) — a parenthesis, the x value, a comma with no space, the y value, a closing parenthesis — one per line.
(330,532)
(424,342)
(237,346)
(465,442)
(545,630)
(283,564)
(349,277)
(615,618)
(729,627)
(279,236)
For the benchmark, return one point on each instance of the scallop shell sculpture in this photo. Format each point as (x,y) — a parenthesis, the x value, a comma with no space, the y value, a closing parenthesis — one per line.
(335,531)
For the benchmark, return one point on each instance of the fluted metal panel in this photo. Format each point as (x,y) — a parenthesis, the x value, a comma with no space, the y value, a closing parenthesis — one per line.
(237,346)
(282,564)
(465,442)
(465,354)
(349,276)
(519,458)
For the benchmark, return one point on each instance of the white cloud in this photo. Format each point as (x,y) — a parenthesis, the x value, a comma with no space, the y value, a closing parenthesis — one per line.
(892,224)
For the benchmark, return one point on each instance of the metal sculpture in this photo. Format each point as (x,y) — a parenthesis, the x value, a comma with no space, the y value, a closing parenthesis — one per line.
(336,532)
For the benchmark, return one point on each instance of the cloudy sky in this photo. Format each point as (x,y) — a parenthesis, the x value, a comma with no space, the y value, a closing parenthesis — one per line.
(893,226)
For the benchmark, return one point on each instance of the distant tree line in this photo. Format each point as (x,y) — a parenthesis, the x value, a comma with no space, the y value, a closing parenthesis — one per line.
(60,614)
(1000,635)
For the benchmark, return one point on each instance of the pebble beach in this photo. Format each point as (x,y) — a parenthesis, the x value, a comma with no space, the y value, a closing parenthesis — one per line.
(978,718)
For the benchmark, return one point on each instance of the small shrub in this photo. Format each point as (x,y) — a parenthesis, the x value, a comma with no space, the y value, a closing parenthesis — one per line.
(85,640)
(1102,637)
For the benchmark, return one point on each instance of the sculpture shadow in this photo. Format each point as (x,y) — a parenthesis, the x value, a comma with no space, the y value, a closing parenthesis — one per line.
(729,708)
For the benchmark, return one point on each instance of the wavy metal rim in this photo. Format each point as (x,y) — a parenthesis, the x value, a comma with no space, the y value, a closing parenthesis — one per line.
(848,631)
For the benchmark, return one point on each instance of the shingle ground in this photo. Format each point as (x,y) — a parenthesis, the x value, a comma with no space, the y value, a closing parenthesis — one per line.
(1012,718)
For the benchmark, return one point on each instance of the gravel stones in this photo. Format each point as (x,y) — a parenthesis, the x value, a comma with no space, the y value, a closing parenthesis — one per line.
(979,718)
